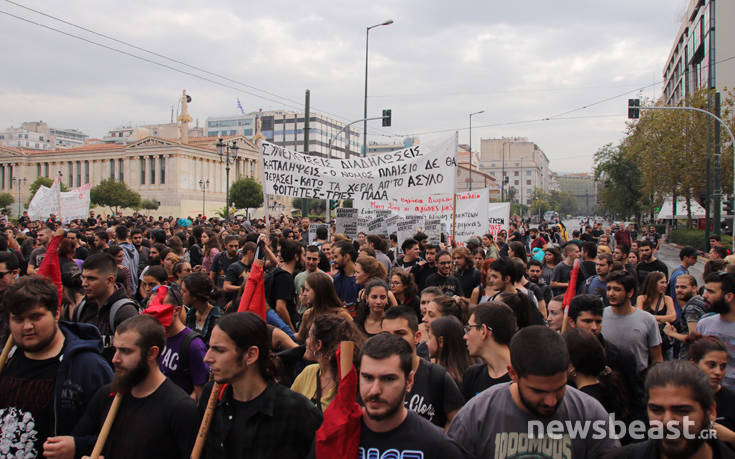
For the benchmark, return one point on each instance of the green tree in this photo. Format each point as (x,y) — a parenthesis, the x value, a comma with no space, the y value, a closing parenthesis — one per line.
(6,199)
(619,182)
(246,193)
(149,204)
(115,195)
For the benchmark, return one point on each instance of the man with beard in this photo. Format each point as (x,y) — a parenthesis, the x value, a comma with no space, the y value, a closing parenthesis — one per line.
(719,293)
(504,420)
(223,260)
(143,252)
(385,376)
(344,255)
(620,255)
(42,239)
(628,327)
(105,304)
(254,417)
(534,273)
(563,271)
(596,285)
(695,308)
(433,395)
(649,263)
(156,417)
(443,278)
(681,406)
(54,370)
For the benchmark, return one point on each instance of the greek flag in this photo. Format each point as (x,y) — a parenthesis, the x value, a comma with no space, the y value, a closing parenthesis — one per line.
(239,105)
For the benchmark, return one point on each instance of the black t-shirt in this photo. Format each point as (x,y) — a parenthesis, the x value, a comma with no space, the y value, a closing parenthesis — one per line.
(476,379)
(220,264)
(284,289)
(81,253)
(236,446)
(450,286)
(725,399)
(468,279)
(434,393)
(587,237)
(27,404)
(562,273)
(165,430)
(649,267)
(422,273)
(414,437)
(234,276)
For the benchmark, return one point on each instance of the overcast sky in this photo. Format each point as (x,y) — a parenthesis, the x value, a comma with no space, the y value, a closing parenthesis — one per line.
(519,61)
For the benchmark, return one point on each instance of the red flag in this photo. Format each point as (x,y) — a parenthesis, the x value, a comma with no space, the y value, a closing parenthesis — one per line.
(158,309)
(572,288)
(253,297)
(339,434)
(50,266)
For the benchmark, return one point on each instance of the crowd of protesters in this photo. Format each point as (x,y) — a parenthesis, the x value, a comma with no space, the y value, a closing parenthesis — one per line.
(458,348)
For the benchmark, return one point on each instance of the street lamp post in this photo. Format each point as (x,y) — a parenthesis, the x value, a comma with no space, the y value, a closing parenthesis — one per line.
(17,181)
(203,184)
(364,111)
(229,152)
(471,114)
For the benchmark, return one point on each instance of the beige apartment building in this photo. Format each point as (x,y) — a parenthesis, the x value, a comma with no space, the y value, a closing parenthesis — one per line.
(165,170)
(523,163)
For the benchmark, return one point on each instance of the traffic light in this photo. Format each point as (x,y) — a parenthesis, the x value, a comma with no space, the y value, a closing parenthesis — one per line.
(633,111)
(386,117)
(728,206)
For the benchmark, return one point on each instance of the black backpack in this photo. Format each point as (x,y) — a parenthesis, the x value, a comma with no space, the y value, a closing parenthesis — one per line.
(184,352)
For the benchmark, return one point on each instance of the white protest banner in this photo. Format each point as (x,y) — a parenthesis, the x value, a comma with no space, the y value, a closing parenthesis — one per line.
(75,203)
(471,214)
(417,170)
(362,225)
(346,222)
(376,226)
(406,230)
(433,229)
(498,217)
(391,223)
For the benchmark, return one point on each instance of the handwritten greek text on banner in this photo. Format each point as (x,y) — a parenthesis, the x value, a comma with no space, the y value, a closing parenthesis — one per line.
(419,170)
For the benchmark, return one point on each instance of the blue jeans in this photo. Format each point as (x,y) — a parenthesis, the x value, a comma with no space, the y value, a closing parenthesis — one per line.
(274,319)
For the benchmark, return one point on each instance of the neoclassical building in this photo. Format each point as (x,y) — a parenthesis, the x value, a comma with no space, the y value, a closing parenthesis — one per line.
(165,170)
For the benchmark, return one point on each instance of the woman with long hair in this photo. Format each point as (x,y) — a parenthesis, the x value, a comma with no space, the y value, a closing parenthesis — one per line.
(321,298)
(653,299)
(177,247)
(405,290)
(370,312)
(590,375)
(491,248)
(318,382)
(211,248)
(526,313)
(710,355)
(368,269)
(485,290)
(447,347)
(633,258)
(552,257)
(517,250)
(201,315)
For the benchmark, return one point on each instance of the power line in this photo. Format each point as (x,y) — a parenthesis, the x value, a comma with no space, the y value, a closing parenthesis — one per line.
(292,103)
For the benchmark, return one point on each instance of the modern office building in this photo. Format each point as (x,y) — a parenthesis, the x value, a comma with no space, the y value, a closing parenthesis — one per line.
(705,40)
(286,129)
(523,163)
(584,188)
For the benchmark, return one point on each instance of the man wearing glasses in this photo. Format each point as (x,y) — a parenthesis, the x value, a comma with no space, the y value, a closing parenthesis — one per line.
(443,279)
(487,336)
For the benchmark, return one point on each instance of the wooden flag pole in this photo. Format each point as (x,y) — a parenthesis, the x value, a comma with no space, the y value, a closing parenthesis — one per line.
(106,427)
(6,351)
(206,422)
